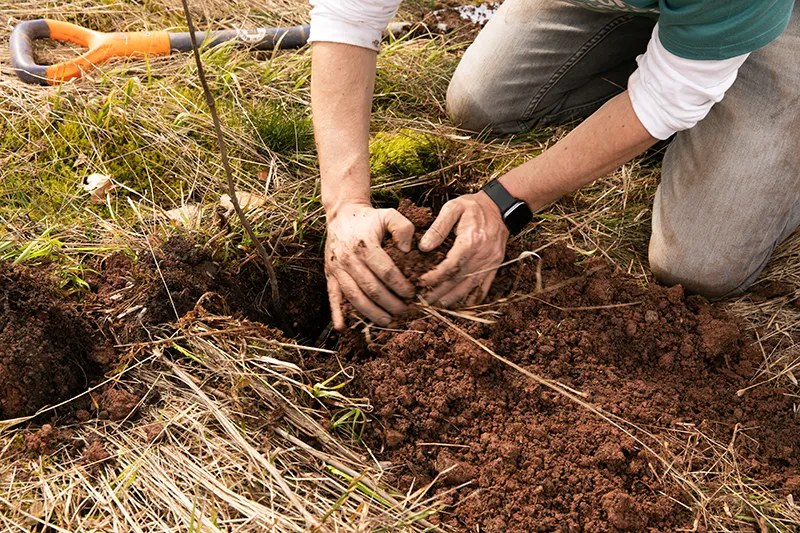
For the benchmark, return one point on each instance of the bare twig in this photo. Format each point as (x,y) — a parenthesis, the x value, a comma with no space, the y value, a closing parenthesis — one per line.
(212,107)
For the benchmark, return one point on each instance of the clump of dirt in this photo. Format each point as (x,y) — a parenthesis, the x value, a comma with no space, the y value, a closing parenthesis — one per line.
(48,351)
(46,440)
(140,295)
(415,263)
(95,455)
(446,410)
(155,432)
(117,404)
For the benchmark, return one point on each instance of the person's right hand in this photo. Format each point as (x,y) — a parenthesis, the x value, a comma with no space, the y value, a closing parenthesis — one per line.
(358,268)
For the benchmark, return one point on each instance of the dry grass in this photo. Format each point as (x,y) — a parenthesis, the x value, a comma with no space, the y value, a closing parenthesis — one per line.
(240,448)
(145,124)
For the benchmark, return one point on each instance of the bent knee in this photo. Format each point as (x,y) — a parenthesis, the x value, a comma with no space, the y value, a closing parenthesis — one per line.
(700,272)
(472,105)
(464,107)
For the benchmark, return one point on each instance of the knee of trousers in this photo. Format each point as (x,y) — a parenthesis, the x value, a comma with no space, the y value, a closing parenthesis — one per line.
(472,105)
(676,261)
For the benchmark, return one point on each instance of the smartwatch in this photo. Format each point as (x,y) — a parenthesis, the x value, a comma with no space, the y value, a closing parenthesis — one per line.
(516,213)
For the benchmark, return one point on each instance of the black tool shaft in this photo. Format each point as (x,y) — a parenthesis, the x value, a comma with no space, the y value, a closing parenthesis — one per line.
(258,39)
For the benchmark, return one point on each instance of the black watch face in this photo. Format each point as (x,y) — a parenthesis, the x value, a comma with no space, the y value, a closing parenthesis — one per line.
(518,217)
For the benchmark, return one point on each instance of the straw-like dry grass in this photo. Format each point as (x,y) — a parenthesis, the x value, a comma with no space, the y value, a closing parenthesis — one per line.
(212,460)
(145,124)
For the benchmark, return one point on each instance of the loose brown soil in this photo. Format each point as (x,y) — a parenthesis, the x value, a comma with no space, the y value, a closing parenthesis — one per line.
(48,351)
(150,292)
(446,410)
(184,275)
(51,347)
(415,263)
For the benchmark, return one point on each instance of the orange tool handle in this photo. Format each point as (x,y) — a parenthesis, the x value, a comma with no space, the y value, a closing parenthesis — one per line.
(102,46)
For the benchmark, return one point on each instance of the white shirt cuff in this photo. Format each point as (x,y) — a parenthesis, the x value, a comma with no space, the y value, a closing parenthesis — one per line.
(356,22)
(671,94)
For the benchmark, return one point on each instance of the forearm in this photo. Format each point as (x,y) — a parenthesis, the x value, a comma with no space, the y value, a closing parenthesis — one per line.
(603,142)
(342,83)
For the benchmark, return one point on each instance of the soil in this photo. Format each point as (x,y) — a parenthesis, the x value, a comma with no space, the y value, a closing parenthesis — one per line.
(95,454)
(48,351)
(185,275)
(447,411)
(415,263)
(53,347)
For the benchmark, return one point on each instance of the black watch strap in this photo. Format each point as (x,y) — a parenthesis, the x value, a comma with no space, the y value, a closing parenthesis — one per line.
(516,213)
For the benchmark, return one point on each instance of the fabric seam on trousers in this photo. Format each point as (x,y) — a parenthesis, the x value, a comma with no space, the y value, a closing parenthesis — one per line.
(556,77)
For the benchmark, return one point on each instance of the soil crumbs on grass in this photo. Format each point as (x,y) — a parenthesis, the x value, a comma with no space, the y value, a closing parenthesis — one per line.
(671,364)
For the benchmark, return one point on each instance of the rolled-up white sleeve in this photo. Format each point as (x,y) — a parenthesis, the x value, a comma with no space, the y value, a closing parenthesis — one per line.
(357,22)
(670,93)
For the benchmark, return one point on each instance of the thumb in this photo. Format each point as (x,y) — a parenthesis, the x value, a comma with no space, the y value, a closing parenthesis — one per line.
(401,228)
(441,227)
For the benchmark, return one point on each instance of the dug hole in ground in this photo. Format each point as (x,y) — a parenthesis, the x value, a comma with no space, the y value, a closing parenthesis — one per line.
(648,386)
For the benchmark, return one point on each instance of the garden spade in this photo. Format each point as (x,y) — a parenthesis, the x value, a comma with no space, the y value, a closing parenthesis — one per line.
(104,46)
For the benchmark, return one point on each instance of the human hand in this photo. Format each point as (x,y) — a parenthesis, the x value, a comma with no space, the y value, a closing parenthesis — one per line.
(471,264)
(358,268)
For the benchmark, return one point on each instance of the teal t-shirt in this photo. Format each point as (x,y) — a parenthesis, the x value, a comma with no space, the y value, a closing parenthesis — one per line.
(709,29)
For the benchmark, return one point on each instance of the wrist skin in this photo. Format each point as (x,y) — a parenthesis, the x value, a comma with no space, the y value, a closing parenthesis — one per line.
(334,206)
(615,135)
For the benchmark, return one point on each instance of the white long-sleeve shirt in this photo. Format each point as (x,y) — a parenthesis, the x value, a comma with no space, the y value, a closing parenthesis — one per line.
(669,93)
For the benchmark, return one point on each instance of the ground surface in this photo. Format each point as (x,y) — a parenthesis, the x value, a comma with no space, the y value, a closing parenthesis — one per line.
(210,420)
(539,462)
(49,351)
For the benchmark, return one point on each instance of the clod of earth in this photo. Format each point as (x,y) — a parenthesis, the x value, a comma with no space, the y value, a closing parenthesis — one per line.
(48,351)
(444,408)
(187,276)
(415,263)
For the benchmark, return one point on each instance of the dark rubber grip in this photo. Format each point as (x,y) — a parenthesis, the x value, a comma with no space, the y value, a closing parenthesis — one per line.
(21,49)
(259,39)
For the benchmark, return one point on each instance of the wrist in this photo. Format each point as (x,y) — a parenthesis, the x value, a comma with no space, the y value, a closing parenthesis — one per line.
(513,183)
(488,204)
(513,211)
(334,206)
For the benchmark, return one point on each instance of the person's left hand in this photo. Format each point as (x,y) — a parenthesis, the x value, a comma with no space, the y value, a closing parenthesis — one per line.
(479,248)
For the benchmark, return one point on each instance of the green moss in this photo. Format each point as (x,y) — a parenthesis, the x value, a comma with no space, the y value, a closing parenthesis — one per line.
(405,154)
(281,128)
(70,145)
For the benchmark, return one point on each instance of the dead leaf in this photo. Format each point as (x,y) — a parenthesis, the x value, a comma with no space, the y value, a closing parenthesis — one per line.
(188,216)
(247,201)
(98,186)
(80,160)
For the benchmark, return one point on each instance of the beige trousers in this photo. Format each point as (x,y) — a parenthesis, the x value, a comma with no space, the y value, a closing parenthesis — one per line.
(730,186)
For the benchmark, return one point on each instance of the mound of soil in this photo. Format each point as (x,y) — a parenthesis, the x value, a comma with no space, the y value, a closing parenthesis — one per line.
(48,351)
(446,410)
(140,295)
